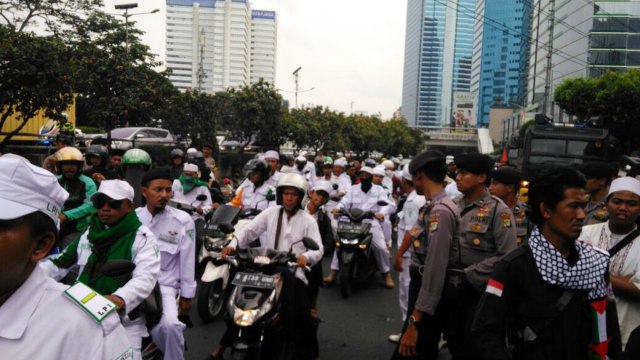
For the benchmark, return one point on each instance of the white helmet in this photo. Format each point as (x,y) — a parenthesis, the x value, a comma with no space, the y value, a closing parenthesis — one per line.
(291,180)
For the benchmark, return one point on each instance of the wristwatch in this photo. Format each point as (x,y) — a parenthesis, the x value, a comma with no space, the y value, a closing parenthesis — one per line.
(413,321)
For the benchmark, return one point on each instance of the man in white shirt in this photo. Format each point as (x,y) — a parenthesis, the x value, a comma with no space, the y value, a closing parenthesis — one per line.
(255,192)
(623,206)
(39,320)
(296,224)
(115,233)
(339,171)
(175,231)
(273,159)
(188,187)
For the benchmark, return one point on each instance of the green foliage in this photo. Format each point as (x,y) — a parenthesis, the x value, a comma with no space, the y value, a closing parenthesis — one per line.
(53,14)
(613,97)
(318,128)
(34,72)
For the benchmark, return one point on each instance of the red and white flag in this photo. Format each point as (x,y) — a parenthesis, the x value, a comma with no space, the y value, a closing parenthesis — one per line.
(495,287)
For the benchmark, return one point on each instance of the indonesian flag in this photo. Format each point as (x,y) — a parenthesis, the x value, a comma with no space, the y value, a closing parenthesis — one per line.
(495,287)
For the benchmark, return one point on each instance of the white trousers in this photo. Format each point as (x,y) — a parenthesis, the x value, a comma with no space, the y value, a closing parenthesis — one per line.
(380,250)
(404,278)
(168,335)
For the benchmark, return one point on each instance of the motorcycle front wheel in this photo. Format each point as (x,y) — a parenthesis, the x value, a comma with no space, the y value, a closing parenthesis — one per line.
(211,300)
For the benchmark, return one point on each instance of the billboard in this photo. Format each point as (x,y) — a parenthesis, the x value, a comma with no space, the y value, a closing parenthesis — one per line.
(263,14)
(465,109)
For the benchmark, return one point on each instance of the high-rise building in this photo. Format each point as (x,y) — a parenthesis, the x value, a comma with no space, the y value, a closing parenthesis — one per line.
(264,37)
(500,55)
(209,44)
(438,48)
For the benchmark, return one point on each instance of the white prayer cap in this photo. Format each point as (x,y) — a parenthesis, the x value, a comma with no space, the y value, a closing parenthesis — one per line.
(301,158)
(378,170)
(323,185)
(190,167)
(625,184)
(272,154)
(340,162)
(27,188)
(366,169)
(192,150)
(115,189)
(406,174)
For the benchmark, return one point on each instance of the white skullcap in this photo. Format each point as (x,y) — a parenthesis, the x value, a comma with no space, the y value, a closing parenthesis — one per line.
(190,167)
(115,189)
(366,169)
(625,184)
(323,185)
(406,174)
(272,154)
(192,150)
(340,162)
(378,170)
(27,188)
(449,159)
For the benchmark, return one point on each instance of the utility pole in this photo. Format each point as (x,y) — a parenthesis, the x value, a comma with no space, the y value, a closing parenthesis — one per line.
(200,73)
(547,81)
(295,74)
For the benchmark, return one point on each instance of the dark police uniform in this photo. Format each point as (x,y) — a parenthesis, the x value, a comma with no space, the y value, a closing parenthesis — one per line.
(523,227)
(596,213)
(525,307)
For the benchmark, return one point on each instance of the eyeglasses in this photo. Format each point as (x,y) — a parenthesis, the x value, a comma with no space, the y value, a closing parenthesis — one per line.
(99,202)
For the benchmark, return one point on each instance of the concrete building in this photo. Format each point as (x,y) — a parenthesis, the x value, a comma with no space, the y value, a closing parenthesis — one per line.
(209,44)
(264,41)
(500,55)
(438,48)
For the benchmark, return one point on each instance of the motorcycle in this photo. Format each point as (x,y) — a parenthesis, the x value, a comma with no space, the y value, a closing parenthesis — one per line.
(254,303)
(355,255)
(214,283)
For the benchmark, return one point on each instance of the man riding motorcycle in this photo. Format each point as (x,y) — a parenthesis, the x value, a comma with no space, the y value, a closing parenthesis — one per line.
(254,193)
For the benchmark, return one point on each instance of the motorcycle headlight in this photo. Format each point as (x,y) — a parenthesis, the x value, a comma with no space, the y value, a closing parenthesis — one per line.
(214,244)
(245,317)
(349,242)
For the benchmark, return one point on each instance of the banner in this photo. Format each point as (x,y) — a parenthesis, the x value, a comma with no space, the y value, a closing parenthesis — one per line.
(465,109)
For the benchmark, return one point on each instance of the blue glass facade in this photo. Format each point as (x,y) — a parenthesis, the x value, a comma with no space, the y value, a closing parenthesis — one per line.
(504,55)
(438,55)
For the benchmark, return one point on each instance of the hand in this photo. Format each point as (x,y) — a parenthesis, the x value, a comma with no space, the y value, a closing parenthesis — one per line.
(116,300)
(380,216)
(62,217)
(398,265)
(227,251)
(215,205)
(97,177)
(302,261)
(199,210)
(184,305)
(408,341)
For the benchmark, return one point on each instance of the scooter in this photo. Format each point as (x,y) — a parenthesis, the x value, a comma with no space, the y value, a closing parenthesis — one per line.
(254,304)
(214,288)
(355,255)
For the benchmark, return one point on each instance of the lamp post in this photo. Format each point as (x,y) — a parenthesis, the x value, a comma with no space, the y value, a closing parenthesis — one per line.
(126,16)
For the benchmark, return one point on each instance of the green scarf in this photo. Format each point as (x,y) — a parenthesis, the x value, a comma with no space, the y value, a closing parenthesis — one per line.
(189,183)
(110,243)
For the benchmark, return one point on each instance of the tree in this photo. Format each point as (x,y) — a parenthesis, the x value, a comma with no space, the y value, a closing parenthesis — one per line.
(399,138)
(193,114)
(318,128)
(54,14)
(34,72)
(255,113)
(576,96)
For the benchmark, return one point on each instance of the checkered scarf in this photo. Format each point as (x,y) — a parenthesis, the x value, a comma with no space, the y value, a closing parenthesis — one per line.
(587,274)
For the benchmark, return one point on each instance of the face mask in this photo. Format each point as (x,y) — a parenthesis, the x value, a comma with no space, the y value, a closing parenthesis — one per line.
(301,165)
(366,184)
(189,180)
(389,173)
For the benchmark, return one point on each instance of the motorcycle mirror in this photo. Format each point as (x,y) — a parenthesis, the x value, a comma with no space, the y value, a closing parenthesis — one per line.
(382,203)
(335,186)
(310,244)
(201,197)
(115,268)
(226,228)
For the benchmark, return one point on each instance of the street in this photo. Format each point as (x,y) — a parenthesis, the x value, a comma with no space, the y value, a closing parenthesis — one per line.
(353,328)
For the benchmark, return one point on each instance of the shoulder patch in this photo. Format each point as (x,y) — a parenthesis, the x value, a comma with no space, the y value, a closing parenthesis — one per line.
(90,301)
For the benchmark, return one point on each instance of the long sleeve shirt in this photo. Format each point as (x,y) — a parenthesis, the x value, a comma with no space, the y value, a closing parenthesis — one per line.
(175,232)
(190,198)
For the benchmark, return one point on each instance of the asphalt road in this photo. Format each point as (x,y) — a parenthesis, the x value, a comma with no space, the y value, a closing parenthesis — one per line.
(353,328)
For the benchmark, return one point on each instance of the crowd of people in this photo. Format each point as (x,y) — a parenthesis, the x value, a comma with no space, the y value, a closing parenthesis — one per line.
(482,271)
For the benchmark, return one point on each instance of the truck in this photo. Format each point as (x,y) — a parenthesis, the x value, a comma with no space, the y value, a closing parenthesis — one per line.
(37,128)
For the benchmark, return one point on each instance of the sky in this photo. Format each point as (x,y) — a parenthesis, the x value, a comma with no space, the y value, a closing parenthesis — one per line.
(351,51)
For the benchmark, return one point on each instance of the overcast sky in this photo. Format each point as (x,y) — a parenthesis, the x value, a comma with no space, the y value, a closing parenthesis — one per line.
(351,51)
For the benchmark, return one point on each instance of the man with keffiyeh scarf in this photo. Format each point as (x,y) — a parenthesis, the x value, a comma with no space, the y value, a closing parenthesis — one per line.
(115,233)
(551,297)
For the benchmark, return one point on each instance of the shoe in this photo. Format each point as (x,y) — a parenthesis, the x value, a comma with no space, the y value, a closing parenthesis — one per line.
(395,338)
(330,278)
(388,280)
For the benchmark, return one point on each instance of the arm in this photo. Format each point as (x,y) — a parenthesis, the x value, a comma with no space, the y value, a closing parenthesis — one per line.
(504,235)
(144,277)
(57,266)
(86,208)
(251,231)
(206,205)
(187,261)
(625,287)
(312,231)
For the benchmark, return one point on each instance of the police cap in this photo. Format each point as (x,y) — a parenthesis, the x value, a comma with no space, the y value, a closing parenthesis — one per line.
(507,175)
(424,158)
(157,173)
(598,170)
(475,163)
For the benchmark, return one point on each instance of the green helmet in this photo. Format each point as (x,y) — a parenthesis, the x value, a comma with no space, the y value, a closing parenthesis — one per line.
(136,157)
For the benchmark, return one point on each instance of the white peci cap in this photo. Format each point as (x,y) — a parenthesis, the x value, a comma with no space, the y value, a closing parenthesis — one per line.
(366,169)
(340,162)
(406,174)
(272,154)
(323,185)
(625,184)
(378,170)
(27,188)
(115,189)
(190,167)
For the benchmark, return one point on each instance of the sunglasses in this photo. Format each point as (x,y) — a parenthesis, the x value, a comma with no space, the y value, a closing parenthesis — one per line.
(99,202)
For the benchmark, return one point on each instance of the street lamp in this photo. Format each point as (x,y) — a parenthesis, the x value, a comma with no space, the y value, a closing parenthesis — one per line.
(126,16)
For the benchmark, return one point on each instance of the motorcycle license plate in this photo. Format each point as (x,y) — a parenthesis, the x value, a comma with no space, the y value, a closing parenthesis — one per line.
(261,281)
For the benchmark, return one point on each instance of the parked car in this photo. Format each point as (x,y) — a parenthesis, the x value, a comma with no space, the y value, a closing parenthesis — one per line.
(129,137)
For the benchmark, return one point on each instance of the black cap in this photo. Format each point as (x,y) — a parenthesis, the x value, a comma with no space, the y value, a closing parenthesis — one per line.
(598,170)
(157,173)
(424,158)
(475,163)
(116,152)
(507,175)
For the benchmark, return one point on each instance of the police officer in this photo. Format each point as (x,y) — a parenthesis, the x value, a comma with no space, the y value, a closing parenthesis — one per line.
(175,231)
(435,242)
(487,232)
(505,184)
(38,320)
(599,175)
